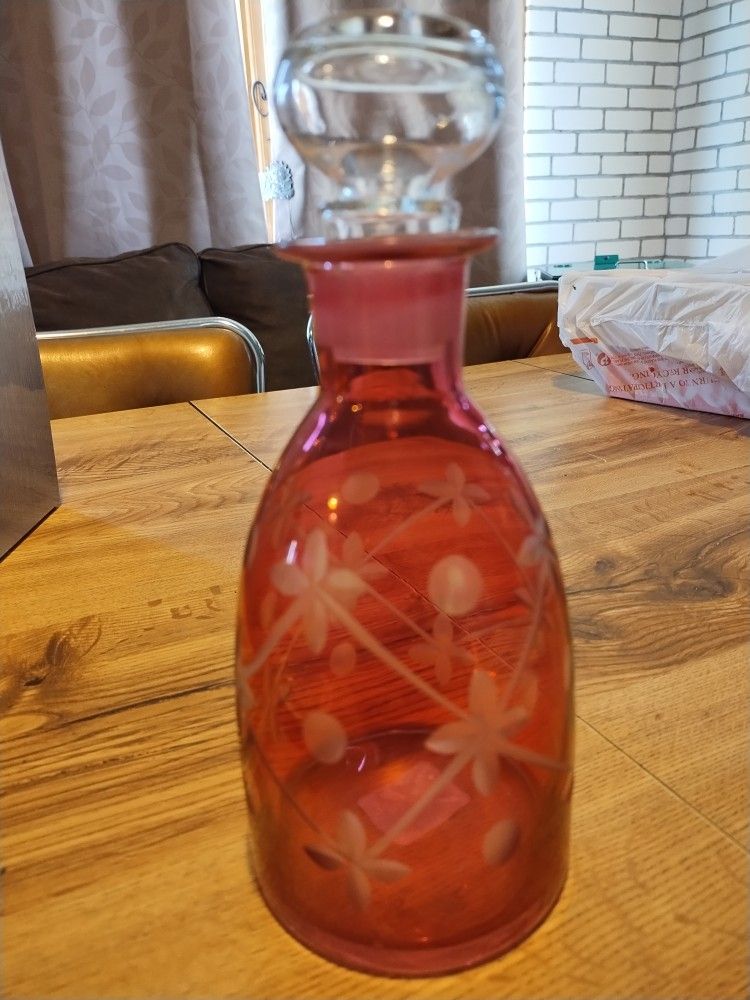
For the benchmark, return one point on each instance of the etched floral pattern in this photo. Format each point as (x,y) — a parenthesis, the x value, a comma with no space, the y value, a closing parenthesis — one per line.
(349,851)
(323,576)
(442,651)
(307,582)
(455,490)
(485,736)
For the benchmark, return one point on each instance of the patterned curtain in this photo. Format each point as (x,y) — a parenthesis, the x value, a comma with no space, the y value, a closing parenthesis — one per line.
(126,123)
(491,191)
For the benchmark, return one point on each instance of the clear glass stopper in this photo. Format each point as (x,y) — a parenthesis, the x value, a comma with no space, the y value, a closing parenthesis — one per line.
(389,104)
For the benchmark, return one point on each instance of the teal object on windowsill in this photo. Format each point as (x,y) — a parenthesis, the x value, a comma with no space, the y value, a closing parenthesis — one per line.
(606,261)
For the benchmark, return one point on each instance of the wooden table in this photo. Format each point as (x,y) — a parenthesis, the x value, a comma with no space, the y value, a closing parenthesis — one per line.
(123,819)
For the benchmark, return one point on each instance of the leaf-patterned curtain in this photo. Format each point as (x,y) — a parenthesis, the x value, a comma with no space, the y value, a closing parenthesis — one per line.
(126,123)
(491,190)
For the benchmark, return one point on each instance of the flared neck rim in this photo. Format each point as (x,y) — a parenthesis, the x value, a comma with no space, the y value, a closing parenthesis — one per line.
(318,252)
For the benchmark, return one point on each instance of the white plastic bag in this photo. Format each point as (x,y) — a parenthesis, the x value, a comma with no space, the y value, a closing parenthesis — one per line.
(679,337)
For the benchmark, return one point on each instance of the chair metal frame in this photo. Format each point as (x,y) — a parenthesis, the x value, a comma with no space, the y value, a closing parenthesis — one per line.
(249,341)
(471,293)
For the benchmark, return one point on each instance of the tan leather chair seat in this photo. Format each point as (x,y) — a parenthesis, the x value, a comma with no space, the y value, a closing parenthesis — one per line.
(146,365)
(503,326)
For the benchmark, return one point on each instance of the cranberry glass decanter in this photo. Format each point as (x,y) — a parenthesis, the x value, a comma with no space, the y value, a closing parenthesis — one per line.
(403,660)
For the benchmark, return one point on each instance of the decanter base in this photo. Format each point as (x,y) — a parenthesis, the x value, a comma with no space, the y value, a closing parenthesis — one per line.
(454,905)
(412,963)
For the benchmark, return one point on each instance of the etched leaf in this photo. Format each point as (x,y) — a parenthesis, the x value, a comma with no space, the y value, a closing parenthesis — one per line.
(103,103)
(316,627)
(129,111)
(455,585)
(68,53)
(343,659)
(133,153)
(105,196)
(359,888)
(100,145)
(116,173)
(351,835)
(323,857)
(346,582)
(485,771)
(76,137)
(288,580)
(84,28)
(461,511)
(107,34)
(119,57)
(88,75)
(387,871)
(360,487)
(324,737)
(451,737)
(315,555)
(500,842)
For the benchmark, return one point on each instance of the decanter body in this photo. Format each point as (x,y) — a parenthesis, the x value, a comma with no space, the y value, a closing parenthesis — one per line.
(403,662)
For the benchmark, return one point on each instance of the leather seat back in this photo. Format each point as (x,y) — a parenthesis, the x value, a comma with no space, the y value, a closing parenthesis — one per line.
(126,369)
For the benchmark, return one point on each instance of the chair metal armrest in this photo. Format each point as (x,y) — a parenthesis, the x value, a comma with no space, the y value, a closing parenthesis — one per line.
(312,347)
(520,286)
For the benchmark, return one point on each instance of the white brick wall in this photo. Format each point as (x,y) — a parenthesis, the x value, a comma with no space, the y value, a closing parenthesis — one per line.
(711,198)
(637,128)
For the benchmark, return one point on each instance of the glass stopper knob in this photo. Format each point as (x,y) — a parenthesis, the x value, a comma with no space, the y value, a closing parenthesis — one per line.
(389,104)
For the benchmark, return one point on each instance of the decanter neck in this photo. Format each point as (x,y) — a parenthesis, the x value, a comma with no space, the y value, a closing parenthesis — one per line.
(389,313)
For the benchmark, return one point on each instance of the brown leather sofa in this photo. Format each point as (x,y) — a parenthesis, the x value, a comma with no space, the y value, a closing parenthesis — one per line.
(253,287)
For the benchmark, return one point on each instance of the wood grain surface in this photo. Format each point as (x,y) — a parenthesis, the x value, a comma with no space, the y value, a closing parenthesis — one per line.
(123,820)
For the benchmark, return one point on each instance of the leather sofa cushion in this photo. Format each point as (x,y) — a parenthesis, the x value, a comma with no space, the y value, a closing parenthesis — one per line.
(511,325)
(253,286)
(142,286)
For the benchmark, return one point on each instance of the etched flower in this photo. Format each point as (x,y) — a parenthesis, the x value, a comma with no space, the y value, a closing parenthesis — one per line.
(457,492)
(442,651)
(355,557)
(485,736)
(349,851)
(309,579)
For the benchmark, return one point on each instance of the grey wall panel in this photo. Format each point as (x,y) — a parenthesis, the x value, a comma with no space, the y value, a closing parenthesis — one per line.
(28,478)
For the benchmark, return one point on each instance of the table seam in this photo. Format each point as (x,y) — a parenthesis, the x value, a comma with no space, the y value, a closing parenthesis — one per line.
(663,783)
(231,437)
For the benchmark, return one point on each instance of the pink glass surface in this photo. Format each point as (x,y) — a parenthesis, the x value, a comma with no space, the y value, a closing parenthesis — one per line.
(403,666)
